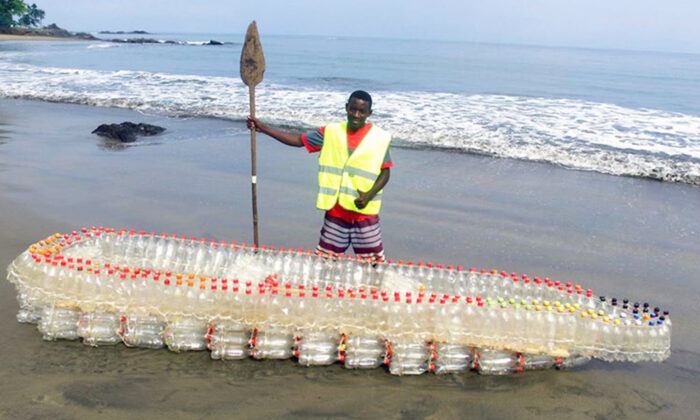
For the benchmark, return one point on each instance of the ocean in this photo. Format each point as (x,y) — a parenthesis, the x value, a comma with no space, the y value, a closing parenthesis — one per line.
(626,113)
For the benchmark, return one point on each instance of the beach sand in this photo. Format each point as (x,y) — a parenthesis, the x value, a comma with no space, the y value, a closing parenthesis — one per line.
(623,237)
(7,37)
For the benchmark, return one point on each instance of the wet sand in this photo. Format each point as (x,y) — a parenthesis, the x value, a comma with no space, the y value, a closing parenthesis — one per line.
(622,237)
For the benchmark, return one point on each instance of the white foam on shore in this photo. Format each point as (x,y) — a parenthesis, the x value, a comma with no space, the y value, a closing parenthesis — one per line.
(572,133)
(102,45)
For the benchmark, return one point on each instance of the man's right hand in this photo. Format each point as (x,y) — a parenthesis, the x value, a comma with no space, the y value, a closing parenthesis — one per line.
(290,139)
(254,124)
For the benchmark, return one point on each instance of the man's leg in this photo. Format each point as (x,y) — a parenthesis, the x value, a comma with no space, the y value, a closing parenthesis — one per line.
(335,236)
(366,238)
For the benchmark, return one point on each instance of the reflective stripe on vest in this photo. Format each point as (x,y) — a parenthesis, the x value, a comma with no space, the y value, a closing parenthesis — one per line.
(341,176)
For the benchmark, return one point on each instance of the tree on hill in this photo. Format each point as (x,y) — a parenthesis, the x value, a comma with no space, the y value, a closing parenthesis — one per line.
(33,17)
(27,15)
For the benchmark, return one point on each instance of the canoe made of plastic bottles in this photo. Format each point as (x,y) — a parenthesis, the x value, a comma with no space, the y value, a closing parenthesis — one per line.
(148,290)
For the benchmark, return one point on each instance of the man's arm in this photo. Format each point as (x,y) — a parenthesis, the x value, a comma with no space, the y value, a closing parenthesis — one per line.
(365,197)
(290,139)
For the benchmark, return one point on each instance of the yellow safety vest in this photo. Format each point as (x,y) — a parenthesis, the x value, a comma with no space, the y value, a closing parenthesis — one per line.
(340,175)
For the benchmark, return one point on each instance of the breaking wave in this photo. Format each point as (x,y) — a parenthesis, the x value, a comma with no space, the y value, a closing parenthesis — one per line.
(572,133)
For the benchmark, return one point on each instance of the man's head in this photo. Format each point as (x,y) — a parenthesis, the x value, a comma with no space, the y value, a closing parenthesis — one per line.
(359,108)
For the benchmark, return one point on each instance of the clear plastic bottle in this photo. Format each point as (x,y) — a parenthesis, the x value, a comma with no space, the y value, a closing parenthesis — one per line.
(157,251)
(307,267)
(409,358)
(229,340)
(200,256)
(664,348)
(451,358)
(170,255)
(363,352)
(495,362)
(317,348)
(188,258)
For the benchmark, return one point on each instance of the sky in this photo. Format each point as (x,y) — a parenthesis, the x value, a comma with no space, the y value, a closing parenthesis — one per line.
(670,25)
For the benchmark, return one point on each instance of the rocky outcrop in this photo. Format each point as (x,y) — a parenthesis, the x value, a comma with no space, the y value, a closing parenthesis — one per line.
(135,40)
(125,32)
(52,30)
(127,132)
(156,41)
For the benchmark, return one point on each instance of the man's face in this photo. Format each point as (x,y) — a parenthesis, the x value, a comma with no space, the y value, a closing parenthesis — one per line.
(358,111)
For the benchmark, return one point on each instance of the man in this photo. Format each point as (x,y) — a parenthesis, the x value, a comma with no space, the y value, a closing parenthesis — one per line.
(354,164)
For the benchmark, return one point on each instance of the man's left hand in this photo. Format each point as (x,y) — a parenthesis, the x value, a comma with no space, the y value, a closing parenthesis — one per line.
(362,200)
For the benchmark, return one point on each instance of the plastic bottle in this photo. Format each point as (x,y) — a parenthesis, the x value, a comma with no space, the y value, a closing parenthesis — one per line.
(451,358)
(495,362)
(229,340)
(409,358)
(363,352)
(317,348)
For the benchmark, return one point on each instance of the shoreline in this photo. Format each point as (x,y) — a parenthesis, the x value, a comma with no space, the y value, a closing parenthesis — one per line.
(620,236)
(8,37)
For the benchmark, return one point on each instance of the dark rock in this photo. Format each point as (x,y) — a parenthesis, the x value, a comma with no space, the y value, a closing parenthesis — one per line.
(86,36)
(127,132)
(156,41)
(135,40)
(124,32)
(52,30)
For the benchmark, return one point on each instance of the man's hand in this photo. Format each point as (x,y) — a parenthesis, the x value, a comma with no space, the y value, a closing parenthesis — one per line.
(362,201)
(254,124)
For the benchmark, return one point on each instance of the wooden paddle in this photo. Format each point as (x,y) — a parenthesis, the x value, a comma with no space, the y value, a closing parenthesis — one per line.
(252,70)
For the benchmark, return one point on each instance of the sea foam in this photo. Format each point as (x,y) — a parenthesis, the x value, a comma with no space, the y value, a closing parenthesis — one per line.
(572,133)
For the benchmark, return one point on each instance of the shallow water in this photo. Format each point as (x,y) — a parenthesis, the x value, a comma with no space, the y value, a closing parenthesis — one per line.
(615,112)
(620,236)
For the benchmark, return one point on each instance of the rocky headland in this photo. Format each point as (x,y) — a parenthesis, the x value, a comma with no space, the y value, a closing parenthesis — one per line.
(50,31)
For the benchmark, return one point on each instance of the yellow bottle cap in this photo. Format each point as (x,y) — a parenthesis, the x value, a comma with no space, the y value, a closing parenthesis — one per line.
(591,311)
(594,316)
(584,315)
(617,322)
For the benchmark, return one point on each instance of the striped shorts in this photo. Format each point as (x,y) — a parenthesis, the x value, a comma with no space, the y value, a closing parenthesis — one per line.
(364,235)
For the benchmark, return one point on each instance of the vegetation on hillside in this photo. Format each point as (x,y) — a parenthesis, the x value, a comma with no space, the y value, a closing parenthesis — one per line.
(18,13)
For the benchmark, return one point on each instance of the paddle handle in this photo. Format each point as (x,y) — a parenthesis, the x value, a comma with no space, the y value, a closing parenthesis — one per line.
(253,167)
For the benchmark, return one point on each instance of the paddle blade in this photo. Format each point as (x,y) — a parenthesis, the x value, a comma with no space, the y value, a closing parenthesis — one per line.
(252,58)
